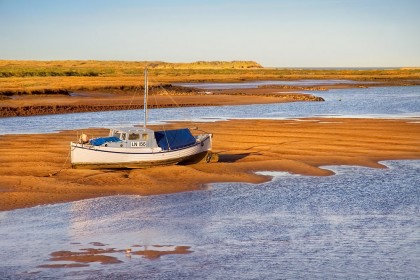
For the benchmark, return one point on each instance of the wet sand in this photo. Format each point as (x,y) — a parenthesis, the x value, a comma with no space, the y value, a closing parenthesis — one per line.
(29,105)
(35,169)
(84,256)
(169,97)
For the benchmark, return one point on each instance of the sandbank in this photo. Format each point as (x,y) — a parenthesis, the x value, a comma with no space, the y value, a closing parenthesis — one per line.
(167,96)
(35,169)
(93,101)
(84,256)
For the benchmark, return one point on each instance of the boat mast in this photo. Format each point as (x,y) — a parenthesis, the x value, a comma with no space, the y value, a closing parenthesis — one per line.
(146,91)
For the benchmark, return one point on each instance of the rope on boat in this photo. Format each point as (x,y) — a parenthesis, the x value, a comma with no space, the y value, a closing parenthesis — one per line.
(176,103)
(62,167)
(131,102)
(177,106)
(163,125)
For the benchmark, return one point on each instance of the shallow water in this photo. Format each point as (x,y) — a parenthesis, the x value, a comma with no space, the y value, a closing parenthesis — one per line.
(376,102)
(361,223)
(256,84)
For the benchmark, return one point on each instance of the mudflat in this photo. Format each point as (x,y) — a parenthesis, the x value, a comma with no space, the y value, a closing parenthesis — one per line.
(55,87)
(93,101)
(35,169)
(164,97)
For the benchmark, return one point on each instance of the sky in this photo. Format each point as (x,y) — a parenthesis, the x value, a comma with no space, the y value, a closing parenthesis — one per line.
(282,33)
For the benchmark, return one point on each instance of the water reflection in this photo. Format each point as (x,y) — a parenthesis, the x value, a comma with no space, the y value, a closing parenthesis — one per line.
(359,223)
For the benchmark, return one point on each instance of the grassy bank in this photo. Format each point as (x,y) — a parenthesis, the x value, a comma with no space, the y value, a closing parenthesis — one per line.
(31,77)
(93,68)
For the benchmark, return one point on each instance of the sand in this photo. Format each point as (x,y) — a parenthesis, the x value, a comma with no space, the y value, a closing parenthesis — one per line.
(82,258)
(29,105)
(35,169)
(171,96)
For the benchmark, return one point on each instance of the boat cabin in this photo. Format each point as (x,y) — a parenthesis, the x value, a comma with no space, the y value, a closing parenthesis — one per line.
(135,138)
(132,137)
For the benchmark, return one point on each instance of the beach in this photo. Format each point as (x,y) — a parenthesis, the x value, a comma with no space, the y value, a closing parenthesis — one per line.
(35,169)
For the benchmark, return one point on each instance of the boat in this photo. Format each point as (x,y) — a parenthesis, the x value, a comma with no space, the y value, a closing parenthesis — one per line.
(141,147)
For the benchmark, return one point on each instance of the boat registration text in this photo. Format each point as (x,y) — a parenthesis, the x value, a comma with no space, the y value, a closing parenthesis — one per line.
(138,144)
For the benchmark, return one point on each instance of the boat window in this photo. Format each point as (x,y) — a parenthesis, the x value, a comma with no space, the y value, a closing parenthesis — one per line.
(133,136)
(117,134)
(145,136)
(123,136)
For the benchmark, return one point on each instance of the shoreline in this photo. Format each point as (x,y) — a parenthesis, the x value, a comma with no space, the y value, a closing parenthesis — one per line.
(30,177)
(50,105)
(174,96)
(95,101)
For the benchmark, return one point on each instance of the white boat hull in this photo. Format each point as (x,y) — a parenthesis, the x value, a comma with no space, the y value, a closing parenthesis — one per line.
(95,157)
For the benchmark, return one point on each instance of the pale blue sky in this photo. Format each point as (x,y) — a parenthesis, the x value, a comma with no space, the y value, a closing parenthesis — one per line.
(293,33)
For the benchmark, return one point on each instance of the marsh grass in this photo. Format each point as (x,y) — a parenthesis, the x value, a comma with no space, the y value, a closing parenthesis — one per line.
(29,77)
(92,68)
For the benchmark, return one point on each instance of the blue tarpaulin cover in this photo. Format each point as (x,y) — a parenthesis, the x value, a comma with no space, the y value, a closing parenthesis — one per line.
(101,140)
(174,139)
